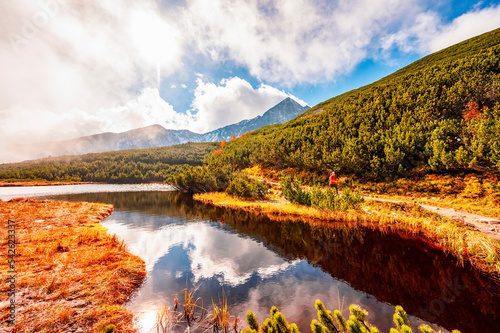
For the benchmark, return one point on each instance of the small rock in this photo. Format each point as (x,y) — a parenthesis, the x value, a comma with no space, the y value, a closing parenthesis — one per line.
(470,225)
(489,221)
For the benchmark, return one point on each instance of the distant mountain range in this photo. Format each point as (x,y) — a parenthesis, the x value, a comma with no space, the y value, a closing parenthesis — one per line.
(282,112)
(157,135)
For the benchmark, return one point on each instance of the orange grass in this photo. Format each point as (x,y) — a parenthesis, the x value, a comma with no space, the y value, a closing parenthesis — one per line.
(482,251)
(193,317)
(71,274)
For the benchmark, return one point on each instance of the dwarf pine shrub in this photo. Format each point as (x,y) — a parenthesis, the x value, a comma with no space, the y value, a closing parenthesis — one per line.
(200,179)
(276,323)
(336,323)
(109,329)
(318,197)
(400,318)
(247,188)
(292,191)
(331,322)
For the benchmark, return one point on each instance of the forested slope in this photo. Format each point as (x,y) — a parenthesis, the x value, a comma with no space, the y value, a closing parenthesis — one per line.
(440,113)
(124,166)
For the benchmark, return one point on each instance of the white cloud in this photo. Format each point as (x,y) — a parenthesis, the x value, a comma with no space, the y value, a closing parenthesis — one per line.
(211,251)
(74,68)
(24,125)
(69,61)
(466,26)
(293,41)
(230,101)
(409,39)
(429,34)
(214,106)
(147,109)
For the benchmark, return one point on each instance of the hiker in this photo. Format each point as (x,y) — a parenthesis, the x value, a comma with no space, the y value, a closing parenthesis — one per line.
(333,182)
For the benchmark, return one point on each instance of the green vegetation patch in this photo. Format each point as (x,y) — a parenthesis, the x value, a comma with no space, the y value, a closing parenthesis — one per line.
(317,197)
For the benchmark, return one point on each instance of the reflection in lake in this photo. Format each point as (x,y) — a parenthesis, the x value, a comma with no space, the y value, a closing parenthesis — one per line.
(259,263)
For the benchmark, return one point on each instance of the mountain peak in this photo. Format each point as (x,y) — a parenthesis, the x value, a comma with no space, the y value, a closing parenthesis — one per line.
(290,100)
(282,112)
(154,127)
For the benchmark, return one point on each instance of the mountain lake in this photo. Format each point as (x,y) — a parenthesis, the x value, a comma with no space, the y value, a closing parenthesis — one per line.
(257,263)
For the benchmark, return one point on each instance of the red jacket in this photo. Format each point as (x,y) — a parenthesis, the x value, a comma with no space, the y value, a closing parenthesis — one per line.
(333,179)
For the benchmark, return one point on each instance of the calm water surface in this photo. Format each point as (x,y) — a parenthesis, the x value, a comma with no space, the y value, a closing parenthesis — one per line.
(258,263)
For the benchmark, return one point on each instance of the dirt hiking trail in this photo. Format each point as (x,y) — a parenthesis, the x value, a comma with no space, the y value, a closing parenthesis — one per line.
(487,225)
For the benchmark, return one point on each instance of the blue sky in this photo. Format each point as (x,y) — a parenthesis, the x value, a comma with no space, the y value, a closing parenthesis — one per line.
(72,68)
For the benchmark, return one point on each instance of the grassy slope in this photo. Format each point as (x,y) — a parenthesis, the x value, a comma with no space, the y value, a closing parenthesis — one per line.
(407,121)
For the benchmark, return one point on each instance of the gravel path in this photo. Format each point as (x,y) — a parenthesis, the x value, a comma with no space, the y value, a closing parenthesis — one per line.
(487,225)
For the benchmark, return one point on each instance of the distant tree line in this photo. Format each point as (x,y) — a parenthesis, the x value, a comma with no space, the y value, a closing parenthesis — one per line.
(124,166)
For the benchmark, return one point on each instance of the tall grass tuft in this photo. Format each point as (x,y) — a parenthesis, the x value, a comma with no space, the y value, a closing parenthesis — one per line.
(194,317)
(222,319)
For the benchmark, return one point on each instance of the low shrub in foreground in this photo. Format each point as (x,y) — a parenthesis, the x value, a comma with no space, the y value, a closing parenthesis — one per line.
(331,322)
(217,178)
(247,188)
(189,315)
(327,199)
(199,179)
(318,197)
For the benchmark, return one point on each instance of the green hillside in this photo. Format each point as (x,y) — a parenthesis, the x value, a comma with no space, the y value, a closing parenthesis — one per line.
(441,113)
(467,48)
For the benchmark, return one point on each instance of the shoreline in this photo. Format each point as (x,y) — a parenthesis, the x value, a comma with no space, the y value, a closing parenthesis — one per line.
(68,273)
(464,243)
(39,183)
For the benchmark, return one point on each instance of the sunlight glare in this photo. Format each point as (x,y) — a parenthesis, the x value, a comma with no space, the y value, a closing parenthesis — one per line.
(147,320)
(156,40)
